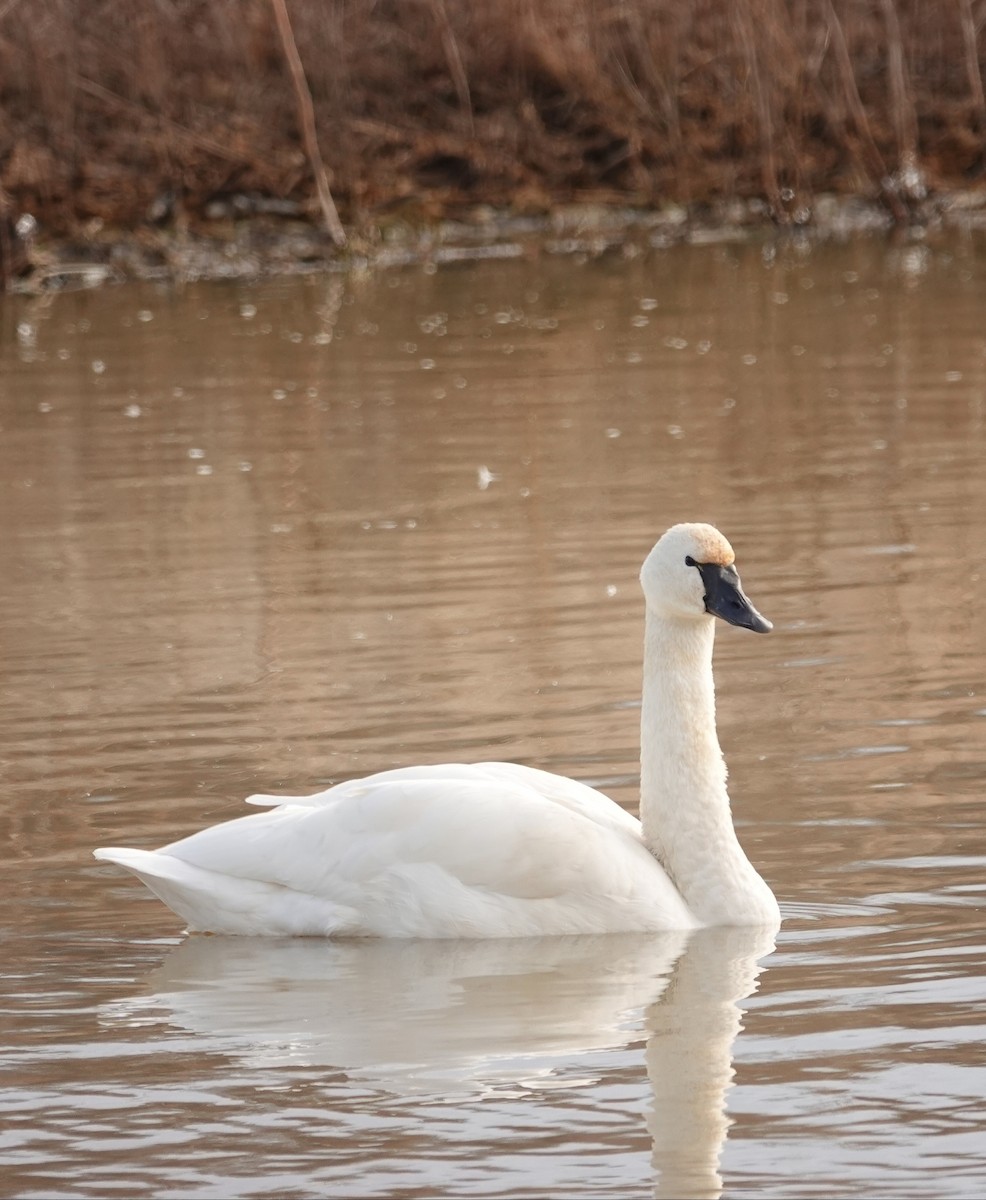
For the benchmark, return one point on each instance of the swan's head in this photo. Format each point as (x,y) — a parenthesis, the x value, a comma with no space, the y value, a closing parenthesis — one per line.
(691,573)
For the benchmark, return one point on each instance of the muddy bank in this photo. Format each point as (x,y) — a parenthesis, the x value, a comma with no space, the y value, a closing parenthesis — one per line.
(169,138)
(257,246)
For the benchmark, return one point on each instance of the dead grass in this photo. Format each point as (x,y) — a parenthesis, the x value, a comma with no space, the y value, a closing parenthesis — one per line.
(125,113)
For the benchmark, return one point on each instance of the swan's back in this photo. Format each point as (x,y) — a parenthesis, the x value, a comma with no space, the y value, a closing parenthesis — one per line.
(569,793)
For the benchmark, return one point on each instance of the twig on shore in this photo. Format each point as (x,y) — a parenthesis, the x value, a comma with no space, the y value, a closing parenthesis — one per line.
(969,34)
(456,67)
(857,113)
(901,105)
(746,29)
(306,114)
(6,272)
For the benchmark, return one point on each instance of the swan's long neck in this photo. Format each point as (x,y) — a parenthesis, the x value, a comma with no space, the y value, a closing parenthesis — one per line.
(684,806)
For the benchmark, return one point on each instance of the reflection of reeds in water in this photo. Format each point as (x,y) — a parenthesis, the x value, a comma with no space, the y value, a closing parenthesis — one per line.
(116,111)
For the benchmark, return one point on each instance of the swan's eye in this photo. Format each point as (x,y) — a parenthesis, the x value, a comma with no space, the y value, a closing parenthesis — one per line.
(689,561)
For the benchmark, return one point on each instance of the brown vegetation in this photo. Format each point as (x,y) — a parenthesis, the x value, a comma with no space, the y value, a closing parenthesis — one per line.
(165,110)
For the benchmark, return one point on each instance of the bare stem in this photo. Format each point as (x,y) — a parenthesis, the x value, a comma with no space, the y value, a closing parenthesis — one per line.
(306,115)
(972,57)
(902,107)
(455,64)
(768,165)
(857,111)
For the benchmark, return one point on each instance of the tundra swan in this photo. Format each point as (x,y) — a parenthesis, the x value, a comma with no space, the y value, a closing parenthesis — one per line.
(499,849)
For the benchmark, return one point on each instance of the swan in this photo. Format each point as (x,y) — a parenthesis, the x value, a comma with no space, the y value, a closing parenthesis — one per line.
(498,849)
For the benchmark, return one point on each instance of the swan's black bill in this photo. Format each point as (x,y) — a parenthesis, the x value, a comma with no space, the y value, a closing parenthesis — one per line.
(724,597)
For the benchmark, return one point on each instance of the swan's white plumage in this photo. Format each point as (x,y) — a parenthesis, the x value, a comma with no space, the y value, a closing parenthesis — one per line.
(492,850)
(498,849)
(578,797)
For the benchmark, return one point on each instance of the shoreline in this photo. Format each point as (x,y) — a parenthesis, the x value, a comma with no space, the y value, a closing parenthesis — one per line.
(239,138)
(258,245)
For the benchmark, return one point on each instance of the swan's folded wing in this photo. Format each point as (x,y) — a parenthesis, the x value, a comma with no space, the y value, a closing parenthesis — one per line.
(355,787)
(569,793)
(486,833)
(578,797)
(445,857)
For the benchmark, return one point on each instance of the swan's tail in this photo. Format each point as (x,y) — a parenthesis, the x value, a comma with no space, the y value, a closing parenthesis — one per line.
(211,902)
(262,800)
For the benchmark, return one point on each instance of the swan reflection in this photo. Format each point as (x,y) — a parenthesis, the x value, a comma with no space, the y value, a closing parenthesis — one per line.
(464,1019)
(690,1033)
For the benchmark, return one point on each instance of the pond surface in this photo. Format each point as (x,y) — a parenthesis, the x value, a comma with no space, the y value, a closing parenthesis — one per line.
(261,538)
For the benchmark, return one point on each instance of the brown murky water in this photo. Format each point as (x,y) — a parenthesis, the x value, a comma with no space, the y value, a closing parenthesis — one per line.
(264,537)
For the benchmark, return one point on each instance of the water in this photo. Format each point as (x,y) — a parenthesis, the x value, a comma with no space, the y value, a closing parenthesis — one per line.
(265,537)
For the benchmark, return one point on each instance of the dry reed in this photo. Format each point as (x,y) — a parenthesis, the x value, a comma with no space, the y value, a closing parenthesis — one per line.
(131,112)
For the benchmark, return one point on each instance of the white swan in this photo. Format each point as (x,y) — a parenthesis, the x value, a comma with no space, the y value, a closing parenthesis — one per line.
(498,849)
